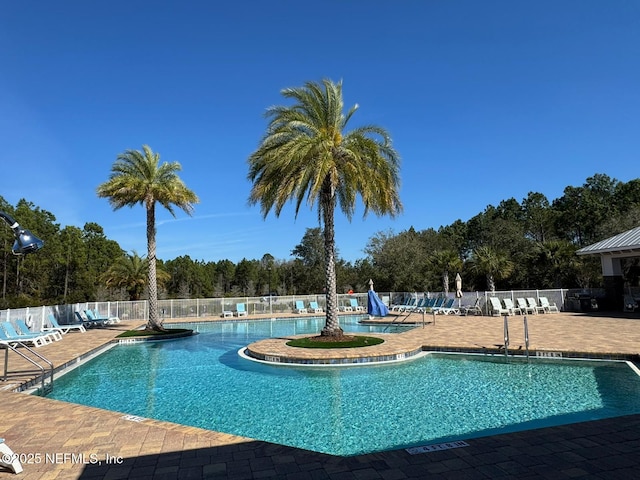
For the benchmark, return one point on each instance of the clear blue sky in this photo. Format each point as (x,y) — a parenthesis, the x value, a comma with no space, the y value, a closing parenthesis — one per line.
(484,101)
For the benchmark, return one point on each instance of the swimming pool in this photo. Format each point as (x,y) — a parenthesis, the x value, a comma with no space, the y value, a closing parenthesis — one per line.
(201,381)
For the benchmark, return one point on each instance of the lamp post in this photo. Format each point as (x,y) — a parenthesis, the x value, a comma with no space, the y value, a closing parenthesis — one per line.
(26,242)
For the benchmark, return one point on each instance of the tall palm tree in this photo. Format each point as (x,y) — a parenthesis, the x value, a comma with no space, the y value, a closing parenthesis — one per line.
(306,152)
(138,178)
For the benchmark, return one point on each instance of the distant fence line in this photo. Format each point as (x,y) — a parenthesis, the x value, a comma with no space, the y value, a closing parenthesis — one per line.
(565,299)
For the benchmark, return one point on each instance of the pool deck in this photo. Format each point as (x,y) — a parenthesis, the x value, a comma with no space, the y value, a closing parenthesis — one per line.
(58,440)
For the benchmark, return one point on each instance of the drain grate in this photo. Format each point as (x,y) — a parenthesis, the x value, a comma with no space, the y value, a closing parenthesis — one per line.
(436,447)
(133,418)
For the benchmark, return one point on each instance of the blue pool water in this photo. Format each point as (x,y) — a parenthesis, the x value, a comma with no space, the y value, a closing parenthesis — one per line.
(201,381)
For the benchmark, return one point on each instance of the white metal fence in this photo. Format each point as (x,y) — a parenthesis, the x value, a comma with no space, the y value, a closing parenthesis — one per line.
(36,317)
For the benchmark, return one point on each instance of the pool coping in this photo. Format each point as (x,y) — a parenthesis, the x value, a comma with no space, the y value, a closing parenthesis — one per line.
(275,351)
(281,354)
(328,361)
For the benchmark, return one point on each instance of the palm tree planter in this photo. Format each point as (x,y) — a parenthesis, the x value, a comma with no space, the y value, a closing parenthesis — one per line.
(306,152)
(136,177)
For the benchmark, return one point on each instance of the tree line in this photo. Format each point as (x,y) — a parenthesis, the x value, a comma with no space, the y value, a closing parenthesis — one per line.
(515,245)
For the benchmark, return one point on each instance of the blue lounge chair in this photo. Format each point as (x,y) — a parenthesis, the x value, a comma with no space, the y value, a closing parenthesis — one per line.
(355,306)
(240,310)
(437,304)
(313,306)
(87,321)
(427,305)
(447,308)
(417,306)
(93,317)
(9,334)
(300,308)
(110,319)
(402,307)
(55,326)
(24,329)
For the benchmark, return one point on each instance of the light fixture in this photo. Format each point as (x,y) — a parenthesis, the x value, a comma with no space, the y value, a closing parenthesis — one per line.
(26,242)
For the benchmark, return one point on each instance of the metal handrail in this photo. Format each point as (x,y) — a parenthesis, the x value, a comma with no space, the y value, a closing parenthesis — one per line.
(43,376)
(526,335)
(506,336)
(407,313)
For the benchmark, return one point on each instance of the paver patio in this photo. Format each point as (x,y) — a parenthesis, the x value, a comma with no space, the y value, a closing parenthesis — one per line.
(59,440)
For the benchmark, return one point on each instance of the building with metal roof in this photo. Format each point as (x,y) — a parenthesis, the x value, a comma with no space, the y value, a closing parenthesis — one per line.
(612,251)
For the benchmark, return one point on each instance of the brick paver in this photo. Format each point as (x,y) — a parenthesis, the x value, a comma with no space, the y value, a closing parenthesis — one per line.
(59,440)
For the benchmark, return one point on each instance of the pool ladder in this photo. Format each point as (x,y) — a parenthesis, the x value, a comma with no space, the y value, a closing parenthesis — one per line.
(399,320)
(506,336)
(13,346)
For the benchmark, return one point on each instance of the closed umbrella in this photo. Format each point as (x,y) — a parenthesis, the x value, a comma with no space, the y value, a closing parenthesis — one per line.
(375,306)
(459,289)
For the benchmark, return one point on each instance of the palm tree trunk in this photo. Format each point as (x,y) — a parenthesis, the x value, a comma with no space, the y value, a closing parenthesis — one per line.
(153,322)
(332,325)
(445,282)
(491,283)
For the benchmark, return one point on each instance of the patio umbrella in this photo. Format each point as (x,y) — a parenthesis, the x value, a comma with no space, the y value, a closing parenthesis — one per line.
(459,289)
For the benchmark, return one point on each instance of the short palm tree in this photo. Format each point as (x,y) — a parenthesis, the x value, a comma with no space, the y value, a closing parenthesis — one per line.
(445,261)
(493,264)
(138,178)
(306,152)
(130,272)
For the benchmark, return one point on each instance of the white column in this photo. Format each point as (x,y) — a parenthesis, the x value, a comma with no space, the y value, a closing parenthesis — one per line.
(611,266)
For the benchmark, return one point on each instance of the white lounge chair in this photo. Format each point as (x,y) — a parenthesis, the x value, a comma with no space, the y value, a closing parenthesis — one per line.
(522,305)
(533,304)
(474,309)
(548,307)
(9,459)
(497,308)
(345,308)
(513,310)
(630,304)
